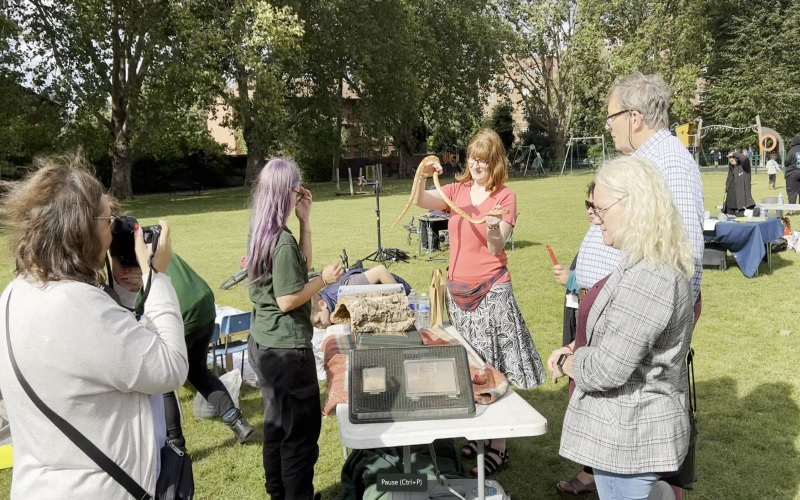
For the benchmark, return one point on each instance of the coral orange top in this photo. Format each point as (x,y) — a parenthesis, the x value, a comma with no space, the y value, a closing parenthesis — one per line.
(470,260)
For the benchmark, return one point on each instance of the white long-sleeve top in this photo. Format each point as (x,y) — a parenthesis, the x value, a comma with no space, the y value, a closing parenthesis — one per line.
(91,362)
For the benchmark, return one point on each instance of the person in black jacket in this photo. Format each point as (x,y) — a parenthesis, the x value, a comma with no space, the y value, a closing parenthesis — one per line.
(792,171)
(738,195)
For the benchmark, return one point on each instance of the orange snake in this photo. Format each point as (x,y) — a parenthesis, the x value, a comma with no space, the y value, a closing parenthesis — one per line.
(429,160)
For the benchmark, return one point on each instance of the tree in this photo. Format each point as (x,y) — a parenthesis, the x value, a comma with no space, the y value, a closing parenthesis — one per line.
(317,112)
(252,50)
(653,36)
(502,122)
(100,55)
(418,63)
(753,69)
(548,59)
(29,123)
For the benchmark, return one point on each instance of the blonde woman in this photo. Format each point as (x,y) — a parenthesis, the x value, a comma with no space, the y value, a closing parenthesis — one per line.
(627,418)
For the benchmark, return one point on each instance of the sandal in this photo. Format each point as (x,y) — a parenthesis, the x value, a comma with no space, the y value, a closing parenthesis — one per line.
(470,450)
(574,487)
(491,464)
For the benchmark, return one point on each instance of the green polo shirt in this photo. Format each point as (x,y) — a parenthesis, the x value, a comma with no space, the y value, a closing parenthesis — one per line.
(195,297)
(271,327)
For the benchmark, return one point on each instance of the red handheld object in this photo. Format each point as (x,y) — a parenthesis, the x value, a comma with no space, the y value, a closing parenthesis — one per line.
(552,255)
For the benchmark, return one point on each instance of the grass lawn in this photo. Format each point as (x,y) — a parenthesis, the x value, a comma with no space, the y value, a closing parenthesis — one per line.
(746,341)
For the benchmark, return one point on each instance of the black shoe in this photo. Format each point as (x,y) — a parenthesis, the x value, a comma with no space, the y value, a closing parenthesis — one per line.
(239,425)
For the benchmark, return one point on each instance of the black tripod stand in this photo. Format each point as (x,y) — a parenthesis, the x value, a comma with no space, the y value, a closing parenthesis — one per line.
(381,255)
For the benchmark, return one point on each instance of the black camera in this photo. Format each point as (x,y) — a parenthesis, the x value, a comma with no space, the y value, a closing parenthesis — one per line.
(122,239)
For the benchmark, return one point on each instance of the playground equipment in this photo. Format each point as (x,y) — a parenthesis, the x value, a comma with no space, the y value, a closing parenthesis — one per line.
(526,156)
(366,175)
(570,151)
(768,138)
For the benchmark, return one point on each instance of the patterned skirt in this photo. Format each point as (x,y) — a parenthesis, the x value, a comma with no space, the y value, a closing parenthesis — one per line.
(497,332)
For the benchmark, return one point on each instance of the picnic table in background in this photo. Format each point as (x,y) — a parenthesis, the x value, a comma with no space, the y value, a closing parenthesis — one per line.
(748,242)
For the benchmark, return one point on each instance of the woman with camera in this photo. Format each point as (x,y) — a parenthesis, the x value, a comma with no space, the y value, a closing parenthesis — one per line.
(83,355)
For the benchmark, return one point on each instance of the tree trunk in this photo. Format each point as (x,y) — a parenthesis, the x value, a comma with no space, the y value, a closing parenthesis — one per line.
(121,168)
(406,162)
(255,162)
(404,142)
(560,146)
(337,149)
(118,149)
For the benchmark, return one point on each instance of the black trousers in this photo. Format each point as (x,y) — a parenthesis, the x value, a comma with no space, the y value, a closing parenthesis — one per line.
(292,419)
(203,380)
(793,185)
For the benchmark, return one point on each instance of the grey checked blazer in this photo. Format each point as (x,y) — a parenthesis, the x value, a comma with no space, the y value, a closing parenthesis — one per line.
(628,413)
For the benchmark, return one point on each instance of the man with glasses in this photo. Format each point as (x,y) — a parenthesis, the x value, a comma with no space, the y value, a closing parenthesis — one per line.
(638,121)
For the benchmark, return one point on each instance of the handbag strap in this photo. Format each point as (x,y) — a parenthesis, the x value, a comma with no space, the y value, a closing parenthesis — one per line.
(692,388)
(74,435)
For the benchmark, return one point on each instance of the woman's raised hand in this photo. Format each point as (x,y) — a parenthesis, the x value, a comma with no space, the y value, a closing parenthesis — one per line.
(332,273)
(561,274)
(303,207)
(163,252)
(427,168)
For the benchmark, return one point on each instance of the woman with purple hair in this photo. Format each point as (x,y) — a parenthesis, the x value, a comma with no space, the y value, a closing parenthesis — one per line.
(280,334)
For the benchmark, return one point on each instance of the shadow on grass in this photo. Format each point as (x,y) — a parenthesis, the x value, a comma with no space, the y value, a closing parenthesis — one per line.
(745,445)
(519,244)
(779,261)
(252,408)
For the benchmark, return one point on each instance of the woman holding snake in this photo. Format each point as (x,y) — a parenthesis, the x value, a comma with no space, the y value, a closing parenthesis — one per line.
(480,299)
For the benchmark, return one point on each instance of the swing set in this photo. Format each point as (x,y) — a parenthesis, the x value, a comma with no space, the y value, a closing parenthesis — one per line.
(571,152)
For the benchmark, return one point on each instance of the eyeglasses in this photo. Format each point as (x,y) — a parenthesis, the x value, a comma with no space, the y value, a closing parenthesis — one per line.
(598,212)
(299,195)
(472,161)
(610,118)
(110,219)
(589,205)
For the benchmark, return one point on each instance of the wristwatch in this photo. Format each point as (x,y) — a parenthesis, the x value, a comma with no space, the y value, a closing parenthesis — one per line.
(561,360)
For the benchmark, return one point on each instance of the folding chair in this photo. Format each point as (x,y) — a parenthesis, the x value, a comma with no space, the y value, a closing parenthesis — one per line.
(213,343)
(510,238)
(235,323)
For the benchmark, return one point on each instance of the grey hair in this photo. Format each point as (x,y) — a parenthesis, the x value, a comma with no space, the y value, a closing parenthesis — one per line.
(647,94)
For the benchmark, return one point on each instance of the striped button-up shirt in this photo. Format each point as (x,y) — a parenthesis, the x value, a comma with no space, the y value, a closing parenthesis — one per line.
(596,260)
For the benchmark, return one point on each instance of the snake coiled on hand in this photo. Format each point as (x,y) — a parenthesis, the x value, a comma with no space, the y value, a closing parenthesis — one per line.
(430,160)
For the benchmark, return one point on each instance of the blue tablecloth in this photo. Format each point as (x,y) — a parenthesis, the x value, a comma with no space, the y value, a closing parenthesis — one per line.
(747,241)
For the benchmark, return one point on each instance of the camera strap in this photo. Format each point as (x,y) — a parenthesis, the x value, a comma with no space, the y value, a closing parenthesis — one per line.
(139,311)
(98,457)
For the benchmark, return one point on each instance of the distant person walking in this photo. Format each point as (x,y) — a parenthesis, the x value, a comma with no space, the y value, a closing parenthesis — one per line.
(772,169)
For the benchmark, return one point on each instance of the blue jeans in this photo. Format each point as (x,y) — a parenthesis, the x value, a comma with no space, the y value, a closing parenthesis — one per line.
(613,486)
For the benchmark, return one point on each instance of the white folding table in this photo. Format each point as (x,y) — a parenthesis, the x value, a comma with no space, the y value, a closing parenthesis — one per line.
(508,417)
